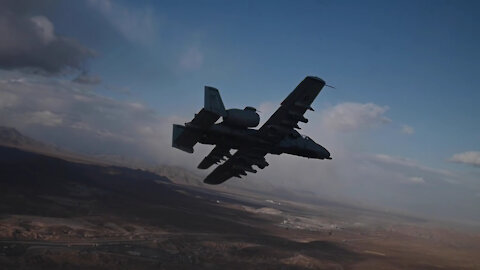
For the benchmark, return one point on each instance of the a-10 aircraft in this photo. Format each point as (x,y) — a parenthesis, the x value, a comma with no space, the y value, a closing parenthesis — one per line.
(276,136)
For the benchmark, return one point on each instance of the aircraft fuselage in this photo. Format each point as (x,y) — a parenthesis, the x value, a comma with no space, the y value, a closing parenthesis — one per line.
(235,138)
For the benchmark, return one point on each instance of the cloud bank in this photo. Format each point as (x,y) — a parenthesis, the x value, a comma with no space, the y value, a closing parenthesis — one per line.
(137,25)
(370,179)
(470,158)
(30,42)
(351,116)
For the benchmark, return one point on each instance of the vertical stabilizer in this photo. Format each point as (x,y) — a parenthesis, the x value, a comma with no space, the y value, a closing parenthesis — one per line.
(213,101)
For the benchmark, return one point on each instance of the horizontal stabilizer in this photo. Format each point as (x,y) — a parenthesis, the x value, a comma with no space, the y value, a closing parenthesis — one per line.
(184,139)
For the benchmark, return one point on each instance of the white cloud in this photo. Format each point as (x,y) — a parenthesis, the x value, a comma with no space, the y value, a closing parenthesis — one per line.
(352,116)
(135,24)
(30,43)
(265,110)
(7,100)
(137,106)
(46,118)
(470,157)
(412,164)
(406,129)
(416,179)
(44,29)
(89,123)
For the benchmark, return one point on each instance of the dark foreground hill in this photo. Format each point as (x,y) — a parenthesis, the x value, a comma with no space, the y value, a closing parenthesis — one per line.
(35,184)
(60,214)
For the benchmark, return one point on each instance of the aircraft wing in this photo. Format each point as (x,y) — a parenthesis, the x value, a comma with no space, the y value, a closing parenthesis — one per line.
(240,163)
(292,109)
(216,155)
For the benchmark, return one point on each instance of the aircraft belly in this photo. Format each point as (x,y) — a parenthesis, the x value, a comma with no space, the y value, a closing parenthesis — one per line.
(215,138)
(229,136)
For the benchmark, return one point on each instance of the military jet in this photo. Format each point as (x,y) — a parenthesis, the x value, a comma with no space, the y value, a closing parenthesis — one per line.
(236,131)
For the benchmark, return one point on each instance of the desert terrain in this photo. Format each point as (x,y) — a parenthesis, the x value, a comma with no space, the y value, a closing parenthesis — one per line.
(62,213)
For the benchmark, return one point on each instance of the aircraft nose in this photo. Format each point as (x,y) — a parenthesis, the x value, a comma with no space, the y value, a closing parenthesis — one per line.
(324,152)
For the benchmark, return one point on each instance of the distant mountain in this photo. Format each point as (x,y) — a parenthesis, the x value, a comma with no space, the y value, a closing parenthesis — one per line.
(12,137)
(178,175)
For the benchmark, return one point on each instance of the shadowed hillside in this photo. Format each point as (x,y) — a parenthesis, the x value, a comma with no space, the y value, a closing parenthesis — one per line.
(48,201)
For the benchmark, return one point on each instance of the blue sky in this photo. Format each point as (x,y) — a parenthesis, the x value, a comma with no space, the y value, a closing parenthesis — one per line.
(406,73)
(419,58)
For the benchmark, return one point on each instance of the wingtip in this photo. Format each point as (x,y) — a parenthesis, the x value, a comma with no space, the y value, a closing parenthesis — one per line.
(316,78)
(211,88)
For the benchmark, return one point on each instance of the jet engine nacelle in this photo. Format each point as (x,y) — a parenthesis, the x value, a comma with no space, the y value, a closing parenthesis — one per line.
(245,118)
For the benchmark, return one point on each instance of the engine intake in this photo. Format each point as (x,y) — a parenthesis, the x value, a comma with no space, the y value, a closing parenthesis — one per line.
(245,118)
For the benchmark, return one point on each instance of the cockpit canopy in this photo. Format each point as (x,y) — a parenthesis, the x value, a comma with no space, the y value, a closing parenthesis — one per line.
(295,134)
(305,137)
